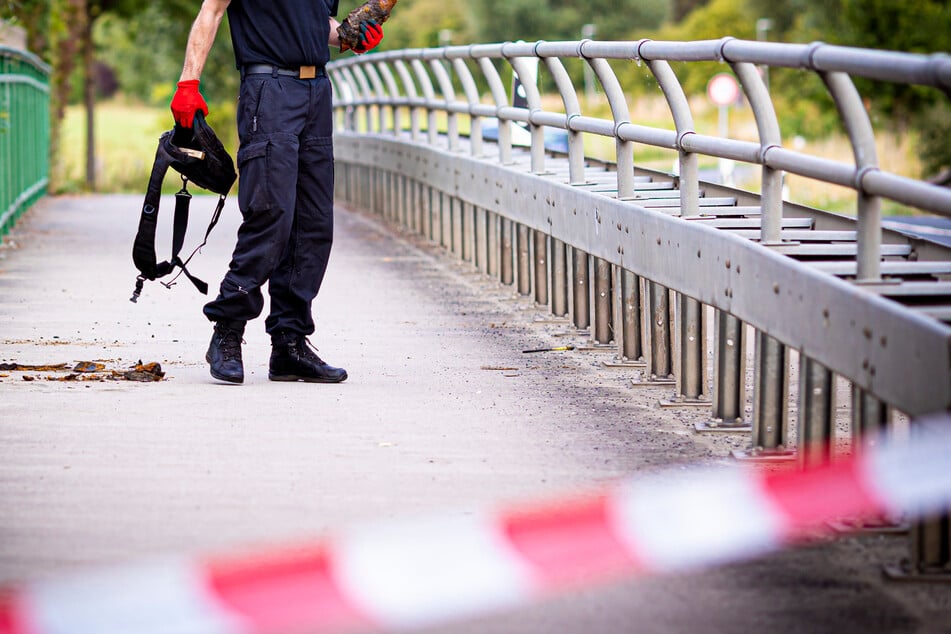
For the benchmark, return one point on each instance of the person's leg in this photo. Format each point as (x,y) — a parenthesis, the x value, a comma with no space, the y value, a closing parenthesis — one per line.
(297,279)
(270,118)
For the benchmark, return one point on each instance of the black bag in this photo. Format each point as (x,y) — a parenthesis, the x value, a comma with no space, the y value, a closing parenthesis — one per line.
(198,155)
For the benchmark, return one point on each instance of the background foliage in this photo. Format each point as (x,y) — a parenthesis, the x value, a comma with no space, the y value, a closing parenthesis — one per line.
(138,47)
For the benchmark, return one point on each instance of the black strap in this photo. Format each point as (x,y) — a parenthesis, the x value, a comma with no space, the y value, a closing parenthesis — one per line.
(143,249)
(176,261)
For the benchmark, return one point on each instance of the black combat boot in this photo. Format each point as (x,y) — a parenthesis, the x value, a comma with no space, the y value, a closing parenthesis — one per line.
(294,359)
(224,352)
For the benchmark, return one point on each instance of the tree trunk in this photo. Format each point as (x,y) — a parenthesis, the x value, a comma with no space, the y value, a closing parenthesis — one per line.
(67,24)
(89,94)
(679,9)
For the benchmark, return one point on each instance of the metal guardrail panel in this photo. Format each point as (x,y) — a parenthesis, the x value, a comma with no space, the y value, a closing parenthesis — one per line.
(902,357)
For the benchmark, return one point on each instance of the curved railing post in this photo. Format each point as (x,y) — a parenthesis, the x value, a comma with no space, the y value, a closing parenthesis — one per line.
(353,97)
(472,96)
(409,87)
(515,54)
(366,94)
(499,96)
(619,110)
(569,97)
(429,94)
(392,88)
(771,194)
(683,120)
(379,92)
(859,128)
(449,95)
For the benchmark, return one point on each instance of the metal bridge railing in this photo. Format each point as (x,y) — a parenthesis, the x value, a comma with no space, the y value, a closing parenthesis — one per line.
(632,257)
(24,133)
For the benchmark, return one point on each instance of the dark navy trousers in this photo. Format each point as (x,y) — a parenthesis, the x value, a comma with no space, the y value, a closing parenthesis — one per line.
(285,192)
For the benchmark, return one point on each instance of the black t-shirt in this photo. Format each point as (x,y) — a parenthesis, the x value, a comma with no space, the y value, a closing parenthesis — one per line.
(285,33)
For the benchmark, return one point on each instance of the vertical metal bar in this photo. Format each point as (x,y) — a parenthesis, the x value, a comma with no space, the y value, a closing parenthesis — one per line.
(418,207)
(406,200)
(507,275)
(691,378)
(389,198)
(468,233)
(660,361)
(931,547)
(770,396)
(524,261)
(481,240)
(456,221)
(445,219)
(581,312)
(630,340)
(729,376)
(427,210)
(559,278)
(603,304)
(816,412)
(403,198)
(870,416)
(399,201)
(494,244)
(541,268)
(385,196)
(409,202)
(437,202)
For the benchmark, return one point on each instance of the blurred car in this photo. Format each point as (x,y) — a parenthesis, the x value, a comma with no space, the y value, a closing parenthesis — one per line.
(556,139)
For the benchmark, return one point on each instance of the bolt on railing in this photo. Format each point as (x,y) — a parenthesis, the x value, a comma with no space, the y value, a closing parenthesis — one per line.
(24,133)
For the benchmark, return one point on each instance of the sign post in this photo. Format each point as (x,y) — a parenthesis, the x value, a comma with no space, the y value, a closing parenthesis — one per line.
(724,91)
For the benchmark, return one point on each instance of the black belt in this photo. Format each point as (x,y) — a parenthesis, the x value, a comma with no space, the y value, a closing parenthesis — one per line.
(303,72)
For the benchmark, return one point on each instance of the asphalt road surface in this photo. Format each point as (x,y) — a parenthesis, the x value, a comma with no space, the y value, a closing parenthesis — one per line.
(441,413)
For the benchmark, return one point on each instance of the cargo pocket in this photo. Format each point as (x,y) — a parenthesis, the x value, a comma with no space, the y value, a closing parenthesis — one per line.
(254,188)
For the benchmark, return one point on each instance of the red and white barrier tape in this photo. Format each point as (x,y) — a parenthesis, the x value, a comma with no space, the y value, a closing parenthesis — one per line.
(404,574)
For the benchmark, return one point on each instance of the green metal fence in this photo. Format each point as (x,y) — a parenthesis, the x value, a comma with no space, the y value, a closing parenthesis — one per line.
(24,133)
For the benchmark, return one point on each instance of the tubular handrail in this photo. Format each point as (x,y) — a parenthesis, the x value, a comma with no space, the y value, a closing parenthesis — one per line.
(24,133)
(835,63)
(579,208)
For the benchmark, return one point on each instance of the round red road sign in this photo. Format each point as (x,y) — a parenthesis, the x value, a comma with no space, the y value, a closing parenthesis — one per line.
(723,89)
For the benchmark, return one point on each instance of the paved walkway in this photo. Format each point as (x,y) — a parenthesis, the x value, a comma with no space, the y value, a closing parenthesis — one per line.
(442,412)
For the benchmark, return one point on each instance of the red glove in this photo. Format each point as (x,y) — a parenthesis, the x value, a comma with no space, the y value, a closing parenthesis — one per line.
(186,102)
(371,34)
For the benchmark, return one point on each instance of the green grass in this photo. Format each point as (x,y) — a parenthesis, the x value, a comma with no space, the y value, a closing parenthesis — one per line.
(126,138)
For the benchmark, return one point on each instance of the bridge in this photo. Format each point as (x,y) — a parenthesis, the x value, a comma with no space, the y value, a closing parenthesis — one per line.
(705,324)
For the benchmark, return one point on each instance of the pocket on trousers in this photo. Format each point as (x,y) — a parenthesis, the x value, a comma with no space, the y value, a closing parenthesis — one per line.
(254,186)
